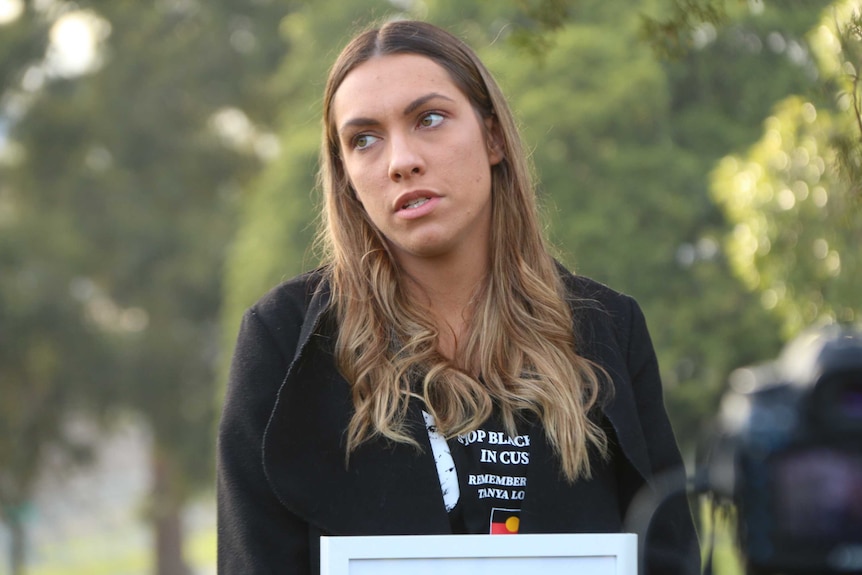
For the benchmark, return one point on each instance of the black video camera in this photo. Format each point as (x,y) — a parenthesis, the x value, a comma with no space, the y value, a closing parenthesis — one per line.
(789,453)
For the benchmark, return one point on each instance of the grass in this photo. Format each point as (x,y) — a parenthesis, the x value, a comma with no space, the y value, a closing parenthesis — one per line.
(719,530)
(93,555)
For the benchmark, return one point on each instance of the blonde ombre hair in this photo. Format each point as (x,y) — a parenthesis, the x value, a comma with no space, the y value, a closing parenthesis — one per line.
(519,355)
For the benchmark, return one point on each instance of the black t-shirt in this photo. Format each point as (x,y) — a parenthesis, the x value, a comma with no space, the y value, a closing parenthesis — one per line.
(483,476)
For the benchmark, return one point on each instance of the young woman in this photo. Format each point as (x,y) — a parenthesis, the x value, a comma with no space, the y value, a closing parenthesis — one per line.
(441,373)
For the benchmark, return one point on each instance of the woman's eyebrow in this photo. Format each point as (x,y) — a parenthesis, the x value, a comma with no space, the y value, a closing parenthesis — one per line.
(409,109)
(360,122)
(421,100)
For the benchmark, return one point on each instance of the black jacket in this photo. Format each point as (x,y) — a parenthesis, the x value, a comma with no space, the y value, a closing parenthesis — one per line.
(282,477)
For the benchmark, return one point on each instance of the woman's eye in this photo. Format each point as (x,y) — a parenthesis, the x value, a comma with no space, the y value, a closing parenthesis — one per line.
(362,141)
(431,120)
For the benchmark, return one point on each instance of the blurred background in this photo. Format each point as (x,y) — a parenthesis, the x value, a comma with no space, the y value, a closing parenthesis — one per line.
(157,170)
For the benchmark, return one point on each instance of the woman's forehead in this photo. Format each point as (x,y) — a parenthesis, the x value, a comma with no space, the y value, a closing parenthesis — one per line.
(390,82)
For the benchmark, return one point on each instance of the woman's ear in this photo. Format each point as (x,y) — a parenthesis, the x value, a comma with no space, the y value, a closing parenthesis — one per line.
(494,140)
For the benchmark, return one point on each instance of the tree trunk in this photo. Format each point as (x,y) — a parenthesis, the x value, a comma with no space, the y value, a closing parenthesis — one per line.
(17,545)
(167,517)
(169,544)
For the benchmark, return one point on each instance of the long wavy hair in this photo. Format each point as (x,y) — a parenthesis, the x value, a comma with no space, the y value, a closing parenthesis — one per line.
(519,357)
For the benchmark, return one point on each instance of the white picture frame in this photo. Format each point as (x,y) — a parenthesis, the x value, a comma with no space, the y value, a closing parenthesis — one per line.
(533,554)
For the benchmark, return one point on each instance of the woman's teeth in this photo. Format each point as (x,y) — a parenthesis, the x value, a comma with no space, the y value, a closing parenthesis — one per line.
(414,204)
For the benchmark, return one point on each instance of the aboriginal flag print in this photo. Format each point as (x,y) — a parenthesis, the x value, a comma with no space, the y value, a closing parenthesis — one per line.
(505,521)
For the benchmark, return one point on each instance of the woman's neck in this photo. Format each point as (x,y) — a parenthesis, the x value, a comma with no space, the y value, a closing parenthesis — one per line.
(448,290)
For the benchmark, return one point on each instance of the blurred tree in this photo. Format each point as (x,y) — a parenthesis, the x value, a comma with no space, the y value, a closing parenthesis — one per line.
(46,350)
(628,198)
(794,198)
(721,89)
(120,181)
(53,363)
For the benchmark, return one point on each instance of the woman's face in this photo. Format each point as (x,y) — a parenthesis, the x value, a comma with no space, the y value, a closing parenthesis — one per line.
(418,157)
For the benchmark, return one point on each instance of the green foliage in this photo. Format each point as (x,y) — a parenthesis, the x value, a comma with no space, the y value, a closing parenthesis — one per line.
(794,208)
(119,190)
(670,35)
(845,30)
(51,362)
(723,90)
(627,200)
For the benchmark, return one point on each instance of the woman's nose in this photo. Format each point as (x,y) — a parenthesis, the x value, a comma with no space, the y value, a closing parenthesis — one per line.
(404,161)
